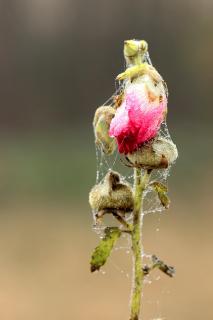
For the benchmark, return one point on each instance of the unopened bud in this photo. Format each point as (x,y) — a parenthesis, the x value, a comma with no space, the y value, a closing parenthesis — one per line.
(155,154)
(134,51)
(112,194)
(101,124)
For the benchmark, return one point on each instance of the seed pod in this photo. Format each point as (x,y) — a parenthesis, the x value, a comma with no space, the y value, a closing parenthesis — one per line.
(156,154)
(102,119)
(112,194)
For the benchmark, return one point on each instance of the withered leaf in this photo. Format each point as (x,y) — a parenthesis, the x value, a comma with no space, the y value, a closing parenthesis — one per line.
(103,250)
(161,190)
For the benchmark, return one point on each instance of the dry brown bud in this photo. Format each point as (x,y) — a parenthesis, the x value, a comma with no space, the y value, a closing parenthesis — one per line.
(112,194)
(155,154)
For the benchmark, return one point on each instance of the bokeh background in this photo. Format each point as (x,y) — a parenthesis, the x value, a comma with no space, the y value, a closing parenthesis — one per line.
(58,62)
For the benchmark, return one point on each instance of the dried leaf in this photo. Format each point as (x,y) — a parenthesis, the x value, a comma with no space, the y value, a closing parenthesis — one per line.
(103,250)
(161,190)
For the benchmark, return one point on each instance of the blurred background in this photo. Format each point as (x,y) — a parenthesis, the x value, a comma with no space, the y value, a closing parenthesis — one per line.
(58,62)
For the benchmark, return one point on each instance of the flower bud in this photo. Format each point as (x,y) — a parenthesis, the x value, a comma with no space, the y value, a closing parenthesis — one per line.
(102,119)
(112,194)
(134,51)
(140,115)
(155,154)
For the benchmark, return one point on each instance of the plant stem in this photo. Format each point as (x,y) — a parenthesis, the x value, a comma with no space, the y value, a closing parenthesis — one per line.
(140,182)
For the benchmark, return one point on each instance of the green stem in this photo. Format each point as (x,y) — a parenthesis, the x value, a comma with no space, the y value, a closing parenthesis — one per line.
(140,182)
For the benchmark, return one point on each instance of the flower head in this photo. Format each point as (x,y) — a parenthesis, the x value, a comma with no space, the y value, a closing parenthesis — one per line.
(139,117)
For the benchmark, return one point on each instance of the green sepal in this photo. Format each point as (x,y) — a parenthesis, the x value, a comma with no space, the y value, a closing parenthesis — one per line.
(161,190)
(103,250)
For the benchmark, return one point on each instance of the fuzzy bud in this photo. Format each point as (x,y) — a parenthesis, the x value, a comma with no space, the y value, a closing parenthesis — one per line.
(155,154)
(112,194)
(102,119)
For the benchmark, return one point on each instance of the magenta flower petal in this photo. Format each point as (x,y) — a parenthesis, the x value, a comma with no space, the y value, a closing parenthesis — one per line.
(139,117)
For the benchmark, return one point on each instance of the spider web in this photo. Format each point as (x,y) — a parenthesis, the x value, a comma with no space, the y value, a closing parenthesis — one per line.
(115,162)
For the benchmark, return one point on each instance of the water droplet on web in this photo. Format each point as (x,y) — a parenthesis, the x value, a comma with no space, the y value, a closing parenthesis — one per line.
(147,280)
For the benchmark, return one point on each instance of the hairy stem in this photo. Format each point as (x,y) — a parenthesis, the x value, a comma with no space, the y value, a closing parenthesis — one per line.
(140,182)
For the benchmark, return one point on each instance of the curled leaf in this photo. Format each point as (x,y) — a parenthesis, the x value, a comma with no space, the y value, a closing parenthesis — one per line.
(103,250)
